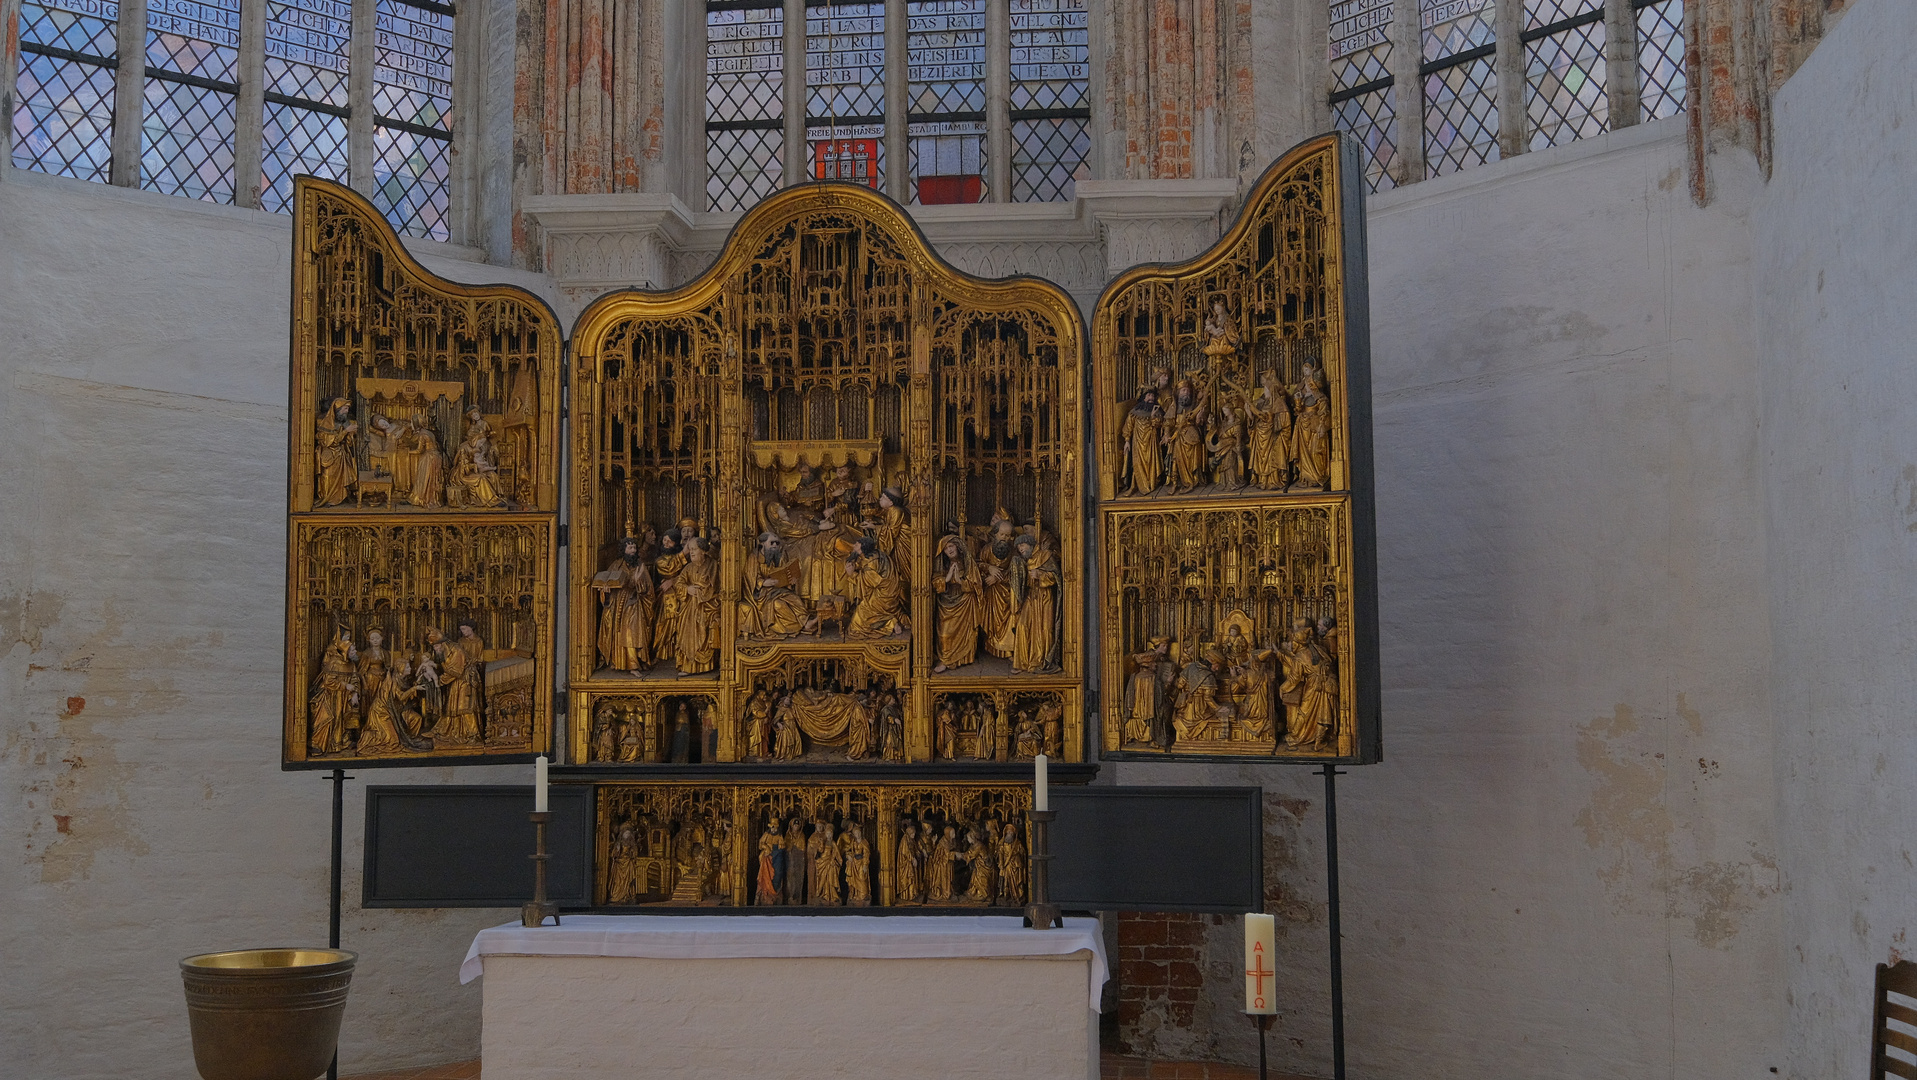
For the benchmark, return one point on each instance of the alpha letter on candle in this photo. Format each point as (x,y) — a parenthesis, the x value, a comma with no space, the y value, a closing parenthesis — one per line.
(1261,935)
(539,785)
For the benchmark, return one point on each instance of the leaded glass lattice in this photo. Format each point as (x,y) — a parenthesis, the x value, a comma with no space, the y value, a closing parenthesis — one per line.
(308,46)
(410,181)
(1460,116)
(1660,58)
(1450,27)
(187,141)
(1047,156)
(1050,59)
(1370,118)
(186,145)
(743,165)
(1461,96)
(1360,42)
(299,141)
(1564,91)
(63,106)
(1545,12)
(1361,82)
(745,64)
(1050,100)
(945,100)
(413,65)
(845,65)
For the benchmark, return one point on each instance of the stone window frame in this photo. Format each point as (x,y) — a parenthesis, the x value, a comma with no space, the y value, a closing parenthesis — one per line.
(1000,116)
(129,106)
(1405,85)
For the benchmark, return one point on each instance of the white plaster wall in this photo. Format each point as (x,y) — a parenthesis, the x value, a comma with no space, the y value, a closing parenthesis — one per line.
(1836,246)
(143,383)
(1567,864)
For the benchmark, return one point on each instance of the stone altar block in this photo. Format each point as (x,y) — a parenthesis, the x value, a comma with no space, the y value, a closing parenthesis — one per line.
(789,997)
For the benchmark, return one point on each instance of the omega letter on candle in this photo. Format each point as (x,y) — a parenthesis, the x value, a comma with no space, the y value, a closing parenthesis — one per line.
(1261,934)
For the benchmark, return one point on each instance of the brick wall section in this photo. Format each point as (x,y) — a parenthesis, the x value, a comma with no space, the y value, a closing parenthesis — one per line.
(1160,977)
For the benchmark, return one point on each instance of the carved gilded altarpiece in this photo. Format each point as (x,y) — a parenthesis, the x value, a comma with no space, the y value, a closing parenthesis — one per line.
(826,506)
(1232,422)
(423,499)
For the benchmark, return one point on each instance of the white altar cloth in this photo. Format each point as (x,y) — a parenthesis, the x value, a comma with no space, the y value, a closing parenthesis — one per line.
(870,937)
(789,998)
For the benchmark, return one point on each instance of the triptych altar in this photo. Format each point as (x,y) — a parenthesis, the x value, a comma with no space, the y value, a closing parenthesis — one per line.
(805,554)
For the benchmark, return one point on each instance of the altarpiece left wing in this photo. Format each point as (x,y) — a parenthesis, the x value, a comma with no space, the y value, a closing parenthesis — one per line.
(422,500)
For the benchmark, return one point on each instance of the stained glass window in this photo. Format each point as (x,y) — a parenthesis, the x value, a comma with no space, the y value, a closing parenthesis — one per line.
(413,115)
(1051,105)
(63,111)
(945,100)
(745,101)
(1361,83)
(1660,58)
(308,43)
(845,92)
(1459,50)
(1564,73)
(192,93)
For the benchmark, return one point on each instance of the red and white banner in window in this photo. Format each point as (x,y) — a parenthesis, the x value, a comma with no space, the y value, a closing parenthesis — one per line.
(853,160)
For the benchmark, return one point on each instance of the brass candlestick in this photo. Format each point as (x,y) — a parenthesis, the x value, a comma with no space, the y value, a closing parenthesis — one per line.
(536,911)
(1041,913)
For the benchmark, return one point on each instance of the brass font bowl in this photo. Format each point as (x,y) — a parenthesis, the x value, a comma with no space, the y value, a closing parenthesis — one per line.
(266,1014)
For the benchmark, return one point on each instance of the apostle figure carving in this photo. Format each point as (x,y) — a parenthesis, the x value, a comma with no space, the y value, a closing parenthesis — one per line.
(882,611)
(1144,451)
(908,884)
(1148,694)
(961,602)
(858,866)
(696,588)
(626,596)
(1310,689)
(826,861)
(773,606)
(665,572)
(1311,434)
(1269,417)
(330,707)
(995,564)
(938,867)
(336,468)
(983,864)
(1030,634)
(463,674)
(1011,866)
(769,881)
(1184,437)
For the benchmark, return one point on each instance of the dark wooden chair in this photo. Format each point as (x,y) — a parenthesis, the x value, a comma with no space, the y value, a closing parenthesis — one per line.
(1898,978)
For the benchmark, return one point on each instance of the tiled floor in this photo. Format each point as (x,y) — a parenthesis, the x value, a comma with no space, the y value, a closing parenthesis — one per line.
(1111,1067)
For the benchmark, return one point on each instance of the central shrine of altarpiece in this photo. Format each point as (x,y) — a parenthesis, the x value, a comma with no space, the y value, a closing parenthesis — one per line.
(836,517)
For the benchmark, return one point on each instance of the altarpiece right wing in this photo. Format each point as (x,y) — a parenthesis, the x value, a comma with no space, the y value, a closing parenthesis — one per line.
(1232,424)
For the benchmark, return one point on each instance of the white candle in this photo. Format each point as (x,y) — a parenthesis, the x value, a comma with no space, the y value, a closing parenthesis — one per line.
(539,785)
(1041,792)
(1261,935)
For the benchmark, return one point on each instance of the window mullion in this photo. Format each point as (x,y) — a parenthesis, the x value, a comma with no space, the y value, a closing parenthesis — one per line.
(9,67)
(359,98)
(797,153)
(1514,134)
(998,99)
(897,178)
(462,181)
(1408,85)
(250,118)
(129,93)
(1620,63)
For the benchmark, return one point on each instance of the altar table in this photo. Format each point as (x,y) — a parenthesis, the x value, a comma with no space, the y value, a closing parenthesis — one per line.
(786,997)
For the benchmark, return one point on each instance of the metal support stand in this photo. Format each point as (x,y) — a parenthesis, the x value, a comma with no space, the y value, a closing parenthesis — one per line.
(1337,939)
(1041,913)
(539,908)
(1264,1026)
(339,778)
